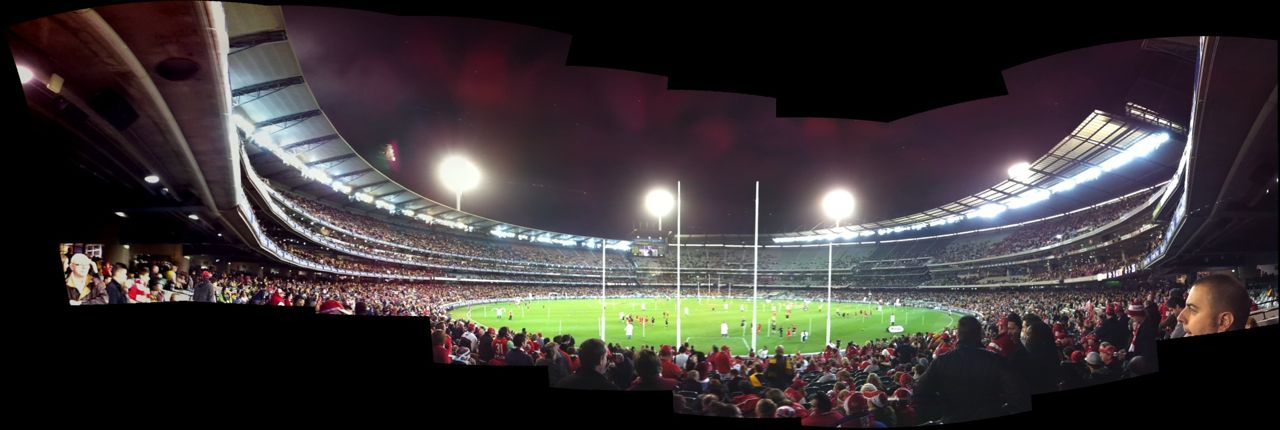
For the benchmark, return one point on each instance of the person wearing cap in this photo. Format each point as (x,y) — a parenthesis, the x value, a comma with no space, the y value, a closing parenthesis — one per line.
(903,410)
(1112,329)
(1215,304)
(83,285)
(1145,332)
(722,361)
(878,404)
(204,288)
(856,412)
(669,368)
(969,382)
(1099,372)
(1110,357)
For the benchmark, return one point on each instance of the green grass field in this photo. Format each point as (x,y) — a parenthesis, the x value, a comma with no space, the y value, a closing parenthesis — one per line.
(701,328)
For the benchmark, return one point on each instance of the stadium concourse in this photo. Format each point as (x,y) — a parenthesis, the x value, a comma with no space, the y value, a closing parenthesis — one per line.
(219,180)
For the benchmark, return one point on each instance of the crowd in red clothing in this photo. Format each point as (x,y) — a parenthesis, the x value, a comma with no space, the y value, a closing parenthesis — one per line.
(416,237)
(1086,332)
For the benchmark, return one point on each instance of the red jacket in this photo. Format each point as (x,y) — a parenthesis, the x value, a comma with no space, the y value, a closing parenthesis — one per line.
(722,362)
(827,419)
(441,355)
(1004,345)
(747,404)
(671,370)
(794,394)
(704,368)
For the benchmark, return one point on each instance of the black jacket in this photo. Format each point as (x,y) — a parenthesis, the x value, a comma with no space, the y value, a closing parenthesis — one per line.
(1145,342)
(116,294)
(968,383)
(587,379)
(623,372)
(1040,369)
(1112,330)
(517,357)
(203,292)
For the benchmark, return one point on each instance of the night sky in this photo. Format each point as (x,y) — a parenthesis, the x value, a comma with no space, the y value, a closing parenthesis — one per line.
(574,149)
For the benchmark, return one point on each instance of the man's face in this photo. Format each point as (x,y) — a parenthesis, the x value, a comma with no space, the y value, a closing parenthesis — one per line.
(1012,327)
(80,269)
(121,275)
(1200,317)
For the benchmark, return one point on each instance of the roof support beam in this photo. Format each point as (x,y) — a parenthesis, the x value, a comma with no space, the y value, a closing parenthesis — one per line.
(310,141)
(246,41)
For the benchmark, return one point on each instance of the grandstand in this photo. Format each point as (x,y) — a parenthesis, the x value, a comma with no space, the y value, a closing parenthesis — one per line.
(253,198)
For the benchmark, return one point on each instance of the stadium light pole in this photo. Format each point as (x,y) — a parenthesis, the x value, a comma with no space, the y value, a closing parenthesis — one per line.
(658,203)
(678,308)
(755,269)
(459,175)
(603,267)
(838,204)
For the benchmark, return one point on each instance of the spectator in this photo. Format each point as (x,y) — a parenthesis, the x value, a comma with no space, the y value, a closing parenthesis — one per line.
(1098,371)
(779,370)
(967,383)
(1040,366)
(439,353)
(624,368)
(1174,305)
(556,370)
(1215,304)
(83,285)
(765,408)
(748,399)
(1145,332)
(204,288)
(723,361)
(650,377)
(517,356)
(902,408)
(823,415)
(116,293)
(669,368)
(691,382)
(878,404)
(590,374)
(720,409)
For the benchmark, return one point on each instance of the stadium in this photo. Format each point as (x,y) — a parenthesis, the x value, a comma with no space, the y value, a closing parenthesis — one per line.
(656,248)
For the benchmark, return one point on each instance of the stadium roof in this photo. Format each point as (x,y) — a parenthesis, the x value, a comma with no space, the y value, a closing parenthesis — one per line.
(269,90)
(1100,143)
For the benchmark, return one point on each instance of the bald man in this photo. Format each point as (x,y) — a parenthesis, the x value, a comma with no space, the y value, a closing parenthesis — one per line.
(1215,304)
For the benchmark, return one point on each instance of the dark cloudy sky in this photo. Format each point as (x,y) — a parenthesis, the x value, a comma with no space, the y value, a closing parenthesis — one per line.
(574,149)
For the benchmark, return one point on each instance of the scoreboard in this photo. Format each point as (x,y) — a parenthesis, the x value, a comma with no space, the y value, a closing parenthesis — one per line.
(648,248)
